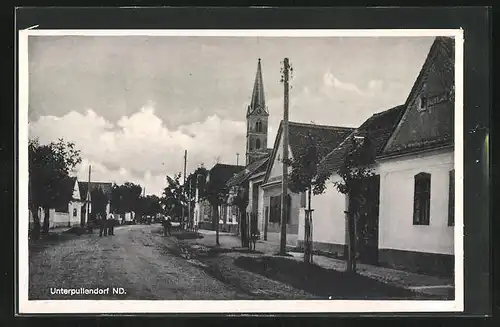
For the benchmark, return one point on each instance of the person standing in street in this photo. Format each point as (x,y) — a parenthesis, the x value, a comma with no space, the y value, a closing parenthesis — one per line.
(102,225)
(111,224)
(167,224)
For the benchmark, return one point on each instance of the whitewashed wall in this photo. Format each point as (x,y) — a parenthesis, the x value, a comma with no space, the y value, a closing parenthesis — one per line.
(328,216)
(396,230)
(261,211)
(75,220)
(277,167)
(58,219)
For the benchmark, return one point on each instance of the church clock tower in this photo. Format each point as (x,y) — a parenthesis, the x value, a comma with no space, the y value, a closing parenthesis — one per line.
(257,121)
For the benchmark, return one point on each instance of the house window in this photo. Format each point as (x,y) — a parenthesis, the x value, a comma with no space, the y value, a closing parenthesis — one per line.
(74,212)
(257,144)
(275,209)
(451,199)
(422,199)
(423,103)
(252,144)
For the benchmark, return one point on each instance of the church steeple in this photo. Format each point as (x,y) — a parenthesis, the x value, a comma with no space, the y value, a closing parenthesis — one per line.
(258,99)
(257,121)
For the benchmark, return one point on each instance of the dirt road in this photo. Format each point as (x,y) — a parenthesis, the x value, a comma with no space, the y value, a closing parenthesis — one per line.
(135,259)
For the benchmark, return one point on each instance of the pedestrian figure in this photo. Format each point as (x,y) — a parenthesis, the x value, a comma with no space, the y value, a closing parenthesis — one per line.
(102,225)
(111,224)
(167,224)
(164,224)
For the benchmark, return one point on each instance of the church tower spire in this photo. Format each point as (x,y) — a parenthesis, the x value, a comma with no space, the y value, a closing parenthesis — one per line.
(257,120)
(258,99)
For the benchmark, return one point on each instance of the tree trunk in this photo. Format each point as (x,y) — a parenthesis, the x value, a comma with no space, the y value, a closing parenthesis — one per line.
(216,219)
(46,221)
(244,228)
(35,232)
(308,257)
(351,225)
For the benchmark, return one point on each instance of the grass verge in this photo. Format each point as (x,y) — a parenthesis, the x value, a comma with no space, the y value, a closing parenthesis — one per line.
(323,282)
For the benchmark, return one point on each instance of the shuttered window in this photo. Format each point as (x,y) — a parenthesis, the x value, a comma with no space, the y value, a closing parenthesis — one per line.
(422,199)
(275,209)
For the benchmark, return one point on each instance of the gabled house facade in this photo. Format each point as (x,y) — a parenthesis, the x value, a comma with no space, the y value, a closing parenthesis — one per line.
(408,216)
(418,170)
(330,137)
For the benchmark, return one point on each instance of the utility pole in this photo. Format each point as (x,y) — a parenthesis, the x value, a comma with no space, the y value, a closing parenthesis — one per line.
(197,213)
(284,183)
(190,223)
(184,185)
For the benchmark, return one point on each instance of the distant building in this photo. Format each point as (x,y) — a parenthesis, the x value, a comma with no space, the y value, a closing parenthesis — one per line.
(75,212)
(220,174)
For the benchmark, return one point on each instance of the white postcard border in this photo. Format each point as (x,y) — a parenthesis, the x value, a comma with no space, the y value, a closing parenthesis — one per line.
(27,306)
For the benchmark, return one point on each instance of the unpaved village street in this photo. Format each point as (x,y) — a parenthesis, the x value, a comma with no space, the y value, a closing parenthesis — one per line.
(135,258)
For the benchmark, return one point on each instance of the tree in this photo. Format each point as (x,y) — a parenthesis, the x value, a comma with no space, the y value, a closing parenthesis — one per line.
(173,197)
(216,193)
(49,168)
(125,198)
(354,170)
(99,201)
(150,205)
(131,194)
(304,177)
(117,199)
(240,200)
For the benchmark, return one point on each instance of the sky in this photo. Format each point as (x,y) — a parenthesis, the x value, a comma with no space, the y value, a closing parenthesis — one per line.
(133,104)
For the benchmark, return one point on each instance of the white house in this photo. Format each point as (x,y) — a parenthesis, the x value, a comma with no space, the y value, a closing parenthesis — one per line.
(330,137)
(410,200)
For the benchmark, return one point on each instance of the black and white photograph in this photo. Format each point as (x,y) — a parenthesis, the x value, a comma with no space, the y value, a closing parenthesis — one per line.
(236,170)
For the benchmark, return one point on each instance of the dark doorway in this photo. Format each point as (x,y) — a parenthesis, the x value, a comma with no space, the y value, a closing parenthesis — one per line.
(266,221)
(82,215)
(367,227)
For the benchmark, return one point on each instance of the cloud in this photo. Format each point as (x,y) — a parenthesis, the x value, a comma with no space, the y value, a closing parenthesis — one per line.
(331,81)
(140,148)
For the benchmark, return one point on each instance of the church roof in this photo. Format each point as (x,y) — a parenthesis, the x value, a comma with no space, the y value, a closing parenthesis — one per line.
(258,99)
(377,129)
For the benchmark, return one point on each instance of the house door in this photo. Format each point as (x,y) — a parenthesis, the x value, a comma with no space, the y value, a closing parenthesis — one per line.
(367,226)
(254,228)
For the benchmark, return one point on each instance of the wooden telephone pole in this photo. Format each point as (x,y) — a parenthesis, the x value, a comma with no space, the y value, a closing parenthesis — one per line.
(284,183)
(184,185)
